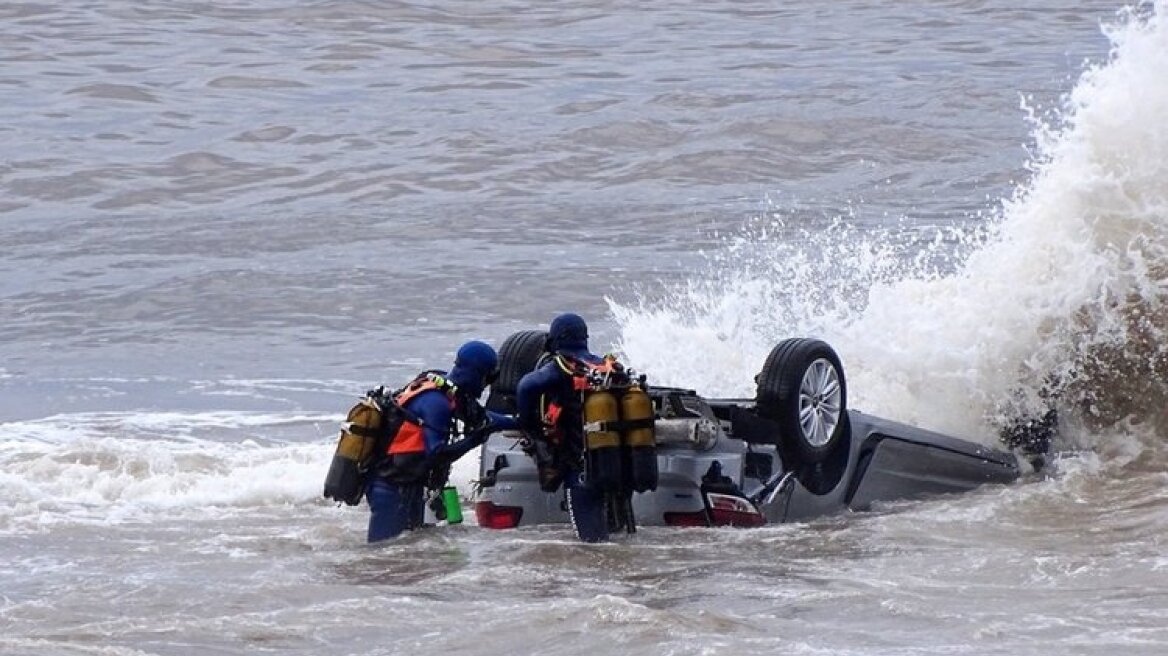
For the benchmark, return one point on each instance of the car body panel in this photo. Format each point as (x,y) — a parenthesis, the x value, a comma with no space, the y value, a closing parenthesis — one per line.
(881,460)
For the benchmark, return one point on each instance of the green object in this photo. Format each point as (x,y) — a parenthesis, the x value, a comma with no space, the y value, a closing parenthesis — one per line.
(453,505)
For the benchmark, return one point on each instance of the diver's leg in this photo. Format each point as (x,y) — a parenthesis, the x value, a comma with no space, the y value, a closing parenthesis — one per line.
(415,499)
(620,511)
(586,508)
(389,510)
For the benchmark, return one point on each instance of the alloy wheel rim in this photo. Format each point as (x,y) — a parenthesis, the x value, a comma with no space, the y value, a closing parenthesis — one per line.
(820,394)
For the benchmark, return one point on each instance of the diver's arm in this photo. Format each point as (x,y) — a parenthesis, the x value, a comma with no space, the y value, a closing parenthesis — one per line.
(433,409)
(435,415)
(495,422)
(531,387)
(498,421)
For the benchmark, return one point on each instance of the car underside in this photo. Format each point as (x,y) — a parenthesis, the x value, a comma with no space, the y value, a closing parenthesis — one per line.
(792,453)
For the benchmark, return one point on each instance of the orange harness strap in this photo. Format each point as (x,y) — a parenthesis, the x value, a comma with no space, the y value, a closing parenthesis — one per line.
(581,373)
(410,438)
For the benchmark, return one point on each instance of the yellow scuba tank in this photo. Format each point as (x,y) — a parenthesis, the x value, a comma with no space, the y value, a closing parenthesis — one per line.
(639,438)
(602,444)
(363,428)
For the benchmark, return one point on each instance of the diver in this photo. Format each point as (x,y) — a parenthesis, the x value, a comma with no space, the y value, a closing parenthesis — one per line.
(551,417)
(438,407)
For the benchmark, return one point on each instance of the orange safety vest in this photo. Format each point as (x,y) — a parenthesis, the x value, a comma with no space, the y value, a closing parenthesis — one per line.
(410,436)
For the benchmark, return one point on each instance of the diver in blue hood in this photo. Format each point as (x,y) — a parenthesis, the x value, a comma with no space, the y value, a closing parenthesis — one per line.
(551,418)
(428,439)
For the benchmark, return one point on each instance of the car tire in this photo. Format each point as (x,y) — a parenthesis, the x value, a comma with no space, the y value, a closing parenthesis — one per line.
(519,354)
(802,389)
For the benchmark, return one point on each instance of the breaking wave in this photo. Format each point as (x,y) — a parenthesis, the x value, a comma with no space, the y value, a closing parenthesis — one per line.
(1061,296)
(112,467)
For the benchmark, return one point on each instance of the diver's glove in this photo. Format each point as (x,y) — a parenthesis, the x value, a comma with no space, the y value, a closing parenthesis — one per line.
(439,473)
(437,506)
(541,452)
(527,442)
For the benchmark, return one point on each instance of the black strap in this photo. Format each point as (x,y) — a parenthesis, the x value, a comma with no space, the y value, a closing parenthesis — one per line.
(367,432)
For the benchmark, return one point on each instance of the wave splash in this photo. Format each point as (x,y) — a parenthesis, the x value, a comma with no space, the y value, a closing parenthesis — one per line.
(113,467)
(1060,297)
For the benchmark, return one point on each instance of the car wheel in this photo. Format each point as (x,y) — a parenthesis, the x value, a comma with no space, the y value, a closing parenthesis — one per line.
(519,354)
(802,388)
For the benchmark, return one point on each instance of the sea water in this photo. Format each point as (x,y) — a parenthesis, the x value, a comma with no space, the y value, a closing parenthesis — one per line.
(223,222)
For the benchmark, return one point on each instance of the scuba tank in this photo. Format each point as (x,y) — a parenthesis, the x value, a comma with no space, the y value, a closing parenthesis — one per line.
(363,430)
(639,439)
(602,444)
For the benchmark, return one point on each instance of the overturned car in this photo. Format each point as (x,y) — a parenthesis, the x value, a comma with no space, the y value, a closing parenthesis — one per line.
(793,452)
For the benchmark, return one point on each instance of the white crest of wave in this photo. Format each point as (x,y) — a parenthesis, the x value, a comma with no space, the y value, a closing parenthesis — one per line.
(115,466)
(1069,282)
(109,466)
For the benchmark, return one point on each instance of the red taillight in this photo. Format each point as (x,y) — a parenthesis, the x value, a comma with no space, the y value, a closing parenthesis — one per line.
(730,510)
(492,516)
(687,518)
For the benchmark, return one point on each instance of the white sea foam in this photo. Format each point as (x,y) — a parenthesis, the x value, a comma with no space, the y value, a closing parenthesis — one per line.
(112,467)
(1066,285)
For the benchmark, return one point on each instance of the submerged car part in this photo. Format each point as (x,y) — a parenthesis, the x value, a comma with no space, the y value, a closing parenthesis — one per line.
(793,452)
